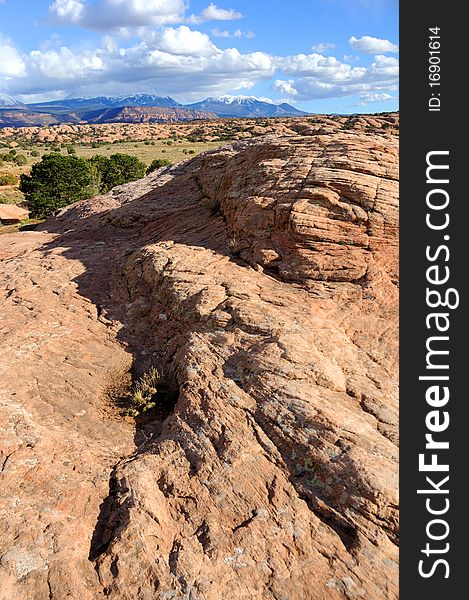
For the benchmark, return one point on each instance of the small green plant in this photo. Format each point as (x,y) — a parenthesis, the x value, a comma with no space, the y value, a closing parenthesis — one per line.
(157,164)
(234,244)
(20,160)
(8,179)
(144,390)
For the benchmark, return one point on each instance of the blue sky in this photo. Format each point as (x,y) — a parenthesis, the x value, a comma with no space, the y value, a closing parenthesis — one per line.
(319,55)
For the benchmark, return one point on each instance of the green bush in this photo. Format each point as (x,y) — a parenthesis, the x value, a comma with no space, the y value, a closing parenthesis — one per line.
(35,153)
(115,170)
(55,182)
(20,160)
(8,179)
(71,150)
(157,164)
(98,165)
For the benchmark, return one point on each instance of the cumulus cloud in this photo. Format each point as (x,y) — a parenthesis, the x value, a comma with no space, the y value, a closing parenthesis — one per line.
(176,61)
(376,97)
(183,41)
(11,63)
(372,45)
(322,47)
(285,87)
(318,76)
(351,58)
(213,13)
(186,63)
(102,15)
(237,33)
(68,11)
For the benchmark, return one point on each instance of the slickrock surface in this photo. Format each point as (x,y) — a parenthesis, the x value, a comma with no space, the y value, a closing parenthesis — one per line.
(262,280)
(205,130)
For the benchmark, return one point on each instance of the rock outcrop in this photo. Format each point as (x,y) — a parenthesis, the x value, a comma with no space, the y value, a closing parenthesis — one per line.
(261,280)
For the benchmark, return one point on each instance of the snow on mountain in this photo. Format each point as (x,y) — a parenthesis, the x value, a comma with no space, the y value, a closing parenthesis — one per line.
(109,102)
(246,106)
(6,100)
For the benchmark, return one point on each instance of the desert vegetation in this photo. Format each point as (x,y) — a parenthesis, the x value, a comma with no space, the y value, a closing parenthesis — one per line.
(58,180)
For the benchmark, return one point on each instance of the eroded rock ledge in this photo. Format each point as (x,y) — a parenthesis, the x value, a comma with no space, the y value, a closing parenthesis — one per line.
(262,279)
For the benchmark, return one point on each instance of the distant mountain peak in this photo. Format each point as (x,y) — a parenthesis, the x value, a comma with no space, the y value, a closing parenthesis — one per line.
(246,106)
(7,100)
(98,102)
(227,99)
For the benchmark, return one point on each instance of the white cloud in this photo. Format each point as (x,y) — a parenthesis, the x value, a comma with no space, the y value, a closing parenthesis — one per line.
(322,47)
(183,41)
(318,76)
(285,87)
(69,11)
(11,63)
(177,61)
(350,58)
(64,63)
(103,15)
(238,33)
(186,63)
(374,97)
(325,68)
(372,45)
(213,13)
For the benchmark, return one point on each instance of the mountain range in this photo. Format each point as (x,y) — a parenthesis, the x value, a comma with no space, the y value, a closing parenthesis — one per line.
(246,106)
(145,108)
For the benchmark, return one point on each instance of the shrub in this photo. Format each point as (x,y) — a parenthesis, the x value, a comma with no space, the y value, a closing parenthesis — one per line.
(35,153)
(144,391)
(8,179)
(157,164)
(98,165)
(55,182)
(71,150)
(122,168)
(20,160)
(115,170)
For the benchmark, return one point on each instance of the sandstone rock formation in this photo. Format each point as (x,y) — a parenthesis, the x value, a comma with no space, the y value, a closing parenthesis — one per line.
(203,130)
(261,280)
